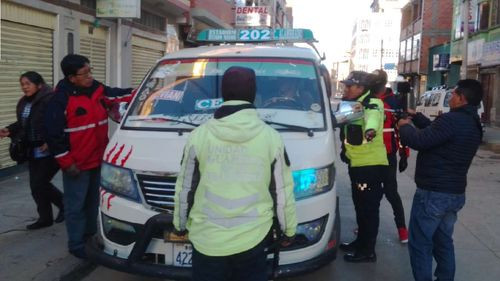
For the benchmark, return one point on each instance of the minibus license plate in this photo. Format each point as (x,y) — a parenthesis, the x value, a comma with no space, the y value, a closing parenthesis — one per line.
(182,254)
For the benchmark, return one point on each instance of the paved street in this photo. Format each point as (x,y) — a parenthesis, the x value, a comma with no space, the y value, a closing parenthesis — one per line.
(477,232)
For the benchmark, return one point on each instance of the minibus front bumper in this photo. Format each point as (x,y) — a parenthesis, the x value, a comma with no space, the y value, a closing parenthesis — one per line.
(136,265)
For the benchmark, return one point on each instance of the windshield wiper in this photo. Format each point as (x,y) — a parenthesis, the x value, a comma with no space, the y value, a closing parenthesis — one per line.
(309,131)
(162,119)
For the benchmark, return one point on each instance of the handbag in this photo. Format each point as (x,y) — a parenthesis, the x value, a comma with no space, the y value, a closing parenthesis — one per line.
(19,150)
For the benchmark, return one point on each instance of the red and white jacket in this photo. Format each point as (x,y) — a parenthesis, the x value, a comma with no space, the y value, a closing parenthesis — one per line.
(76,123)
(391,135)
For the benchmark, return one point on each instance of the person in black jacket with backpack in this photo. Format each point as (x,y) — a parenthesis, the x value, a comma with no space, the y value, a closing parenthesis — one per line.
(42,166)
(446,148)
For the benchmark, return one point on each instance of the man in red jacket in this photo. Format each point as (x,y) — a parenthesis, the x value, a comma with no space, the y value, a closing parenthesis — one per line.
(77,134)
(392,145)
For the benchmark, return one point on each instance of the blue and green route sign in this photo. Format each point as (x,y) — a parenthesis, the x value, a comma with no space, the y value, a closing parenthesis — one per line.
(256,35)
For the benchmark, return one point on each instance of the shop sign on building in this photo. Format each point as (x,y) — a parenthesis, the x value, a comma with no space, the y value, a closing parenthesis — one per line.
(491,53)
(118,8)
(253,16)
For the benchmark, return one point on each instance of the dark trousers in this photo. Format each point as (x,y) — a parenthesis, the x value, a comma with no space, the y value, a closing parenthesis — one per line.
(41,172)
(366,185)
(390,188)
(246,266)
(81,198)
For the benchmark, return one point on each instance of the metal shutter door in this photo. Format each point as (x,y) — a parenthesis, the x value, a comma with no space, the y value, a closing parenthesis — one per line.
(24,48)
(94,47)
(145,53)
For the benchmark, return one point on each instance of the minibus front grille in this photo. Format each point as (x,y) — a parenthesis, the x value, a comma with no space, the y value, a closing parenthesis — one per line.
(158,191)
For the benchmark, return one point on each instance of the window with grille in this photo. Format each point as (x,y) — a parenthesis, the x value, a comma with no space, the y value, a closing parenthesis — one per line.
(483,15)
(495,13)
(151,20)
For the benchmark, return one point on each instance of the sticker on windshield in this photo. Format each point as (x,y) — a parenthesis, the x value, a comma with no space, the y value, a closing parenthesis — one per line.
(171,95)
(315,107)
(206,104)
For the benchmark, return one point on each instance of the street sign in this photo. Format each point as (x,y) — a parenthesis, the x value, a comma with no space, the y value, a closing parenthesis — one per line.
(118,8)
(256,35)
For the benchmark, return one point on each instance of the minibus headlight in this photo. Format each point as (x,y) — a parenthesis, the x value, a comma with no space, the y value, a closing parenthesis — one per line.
(120,181)
(311,182)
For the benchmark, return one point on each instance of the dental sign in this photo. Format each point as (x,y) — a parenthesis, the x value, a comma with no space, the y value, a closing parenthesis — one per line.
(253,16)
(118,8)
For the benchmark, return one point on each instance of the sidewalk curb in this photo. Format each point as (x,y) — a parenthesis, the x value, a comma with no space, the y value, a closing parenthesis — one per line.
(495,147)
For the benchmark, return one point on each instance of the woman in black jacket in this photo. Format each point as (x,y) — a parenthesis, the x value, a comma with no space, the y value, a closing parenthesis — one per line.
(42,166)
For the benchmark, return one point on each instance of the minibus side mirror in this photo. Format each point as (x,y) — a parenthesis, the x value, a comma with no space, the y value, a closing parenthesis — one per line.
(117,110)
(346,111)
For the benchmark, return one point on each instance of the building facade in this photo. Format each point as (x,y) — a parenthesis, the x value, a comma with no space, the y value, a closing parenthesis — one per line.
(270,13)
(483,50)
(424,23)
(375,40)
(439,70)
(37,34)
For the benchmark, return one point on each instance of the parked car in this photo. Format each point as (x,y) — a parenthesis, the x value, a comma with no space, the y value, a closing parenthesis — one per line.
(436,102)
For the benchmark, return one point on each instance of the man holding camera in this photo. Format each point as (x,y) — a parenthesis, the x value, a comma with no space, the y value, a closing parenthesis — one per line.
(446,148)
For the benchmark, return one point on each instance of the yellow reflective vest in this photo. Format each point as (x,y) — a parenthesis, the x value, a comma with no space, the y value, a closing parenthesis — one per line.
(359,151)
(230,168)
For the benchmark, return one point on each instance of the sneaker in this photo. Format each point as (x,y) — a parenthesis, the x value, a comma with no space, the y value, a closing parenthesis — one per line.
(403,234)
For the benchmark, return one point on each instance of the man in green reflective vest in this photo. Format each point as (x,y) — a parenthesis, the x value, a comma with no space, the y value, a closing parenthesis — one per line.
(364,151)
(235,177)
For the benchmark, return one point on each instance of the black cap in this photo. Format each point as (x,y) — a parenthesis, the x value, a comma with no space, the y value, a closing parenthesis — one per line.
(360,78)
(238,83)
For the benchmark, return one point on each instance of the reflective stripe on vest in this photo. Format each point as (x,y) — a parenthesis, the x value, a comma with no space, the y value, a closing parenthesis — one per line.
(186,187)
(280,192)
(231,204)
(388,130)
(226,222)
(61,154)
(85,127)
(81,128)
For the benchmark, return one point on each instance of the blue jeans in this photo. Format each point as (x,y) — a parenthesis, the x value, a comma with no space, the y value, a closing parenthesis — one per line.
(81,203)
(433,215)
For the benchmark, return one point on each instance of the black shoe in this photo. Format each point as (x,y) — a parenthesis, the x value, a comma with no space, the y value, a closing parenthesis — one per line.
(358,257)
(348,246)
(60,216)
(79,253)
(38,224)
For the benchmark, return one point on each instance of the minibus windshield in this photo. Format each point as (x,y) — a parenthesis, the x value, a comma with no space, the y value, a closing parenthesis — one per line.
(180,93)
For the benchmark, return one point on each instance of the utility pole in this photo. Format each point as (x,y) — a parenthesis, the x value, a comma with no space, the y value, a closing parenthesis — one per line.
(381,53)
(465,39)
